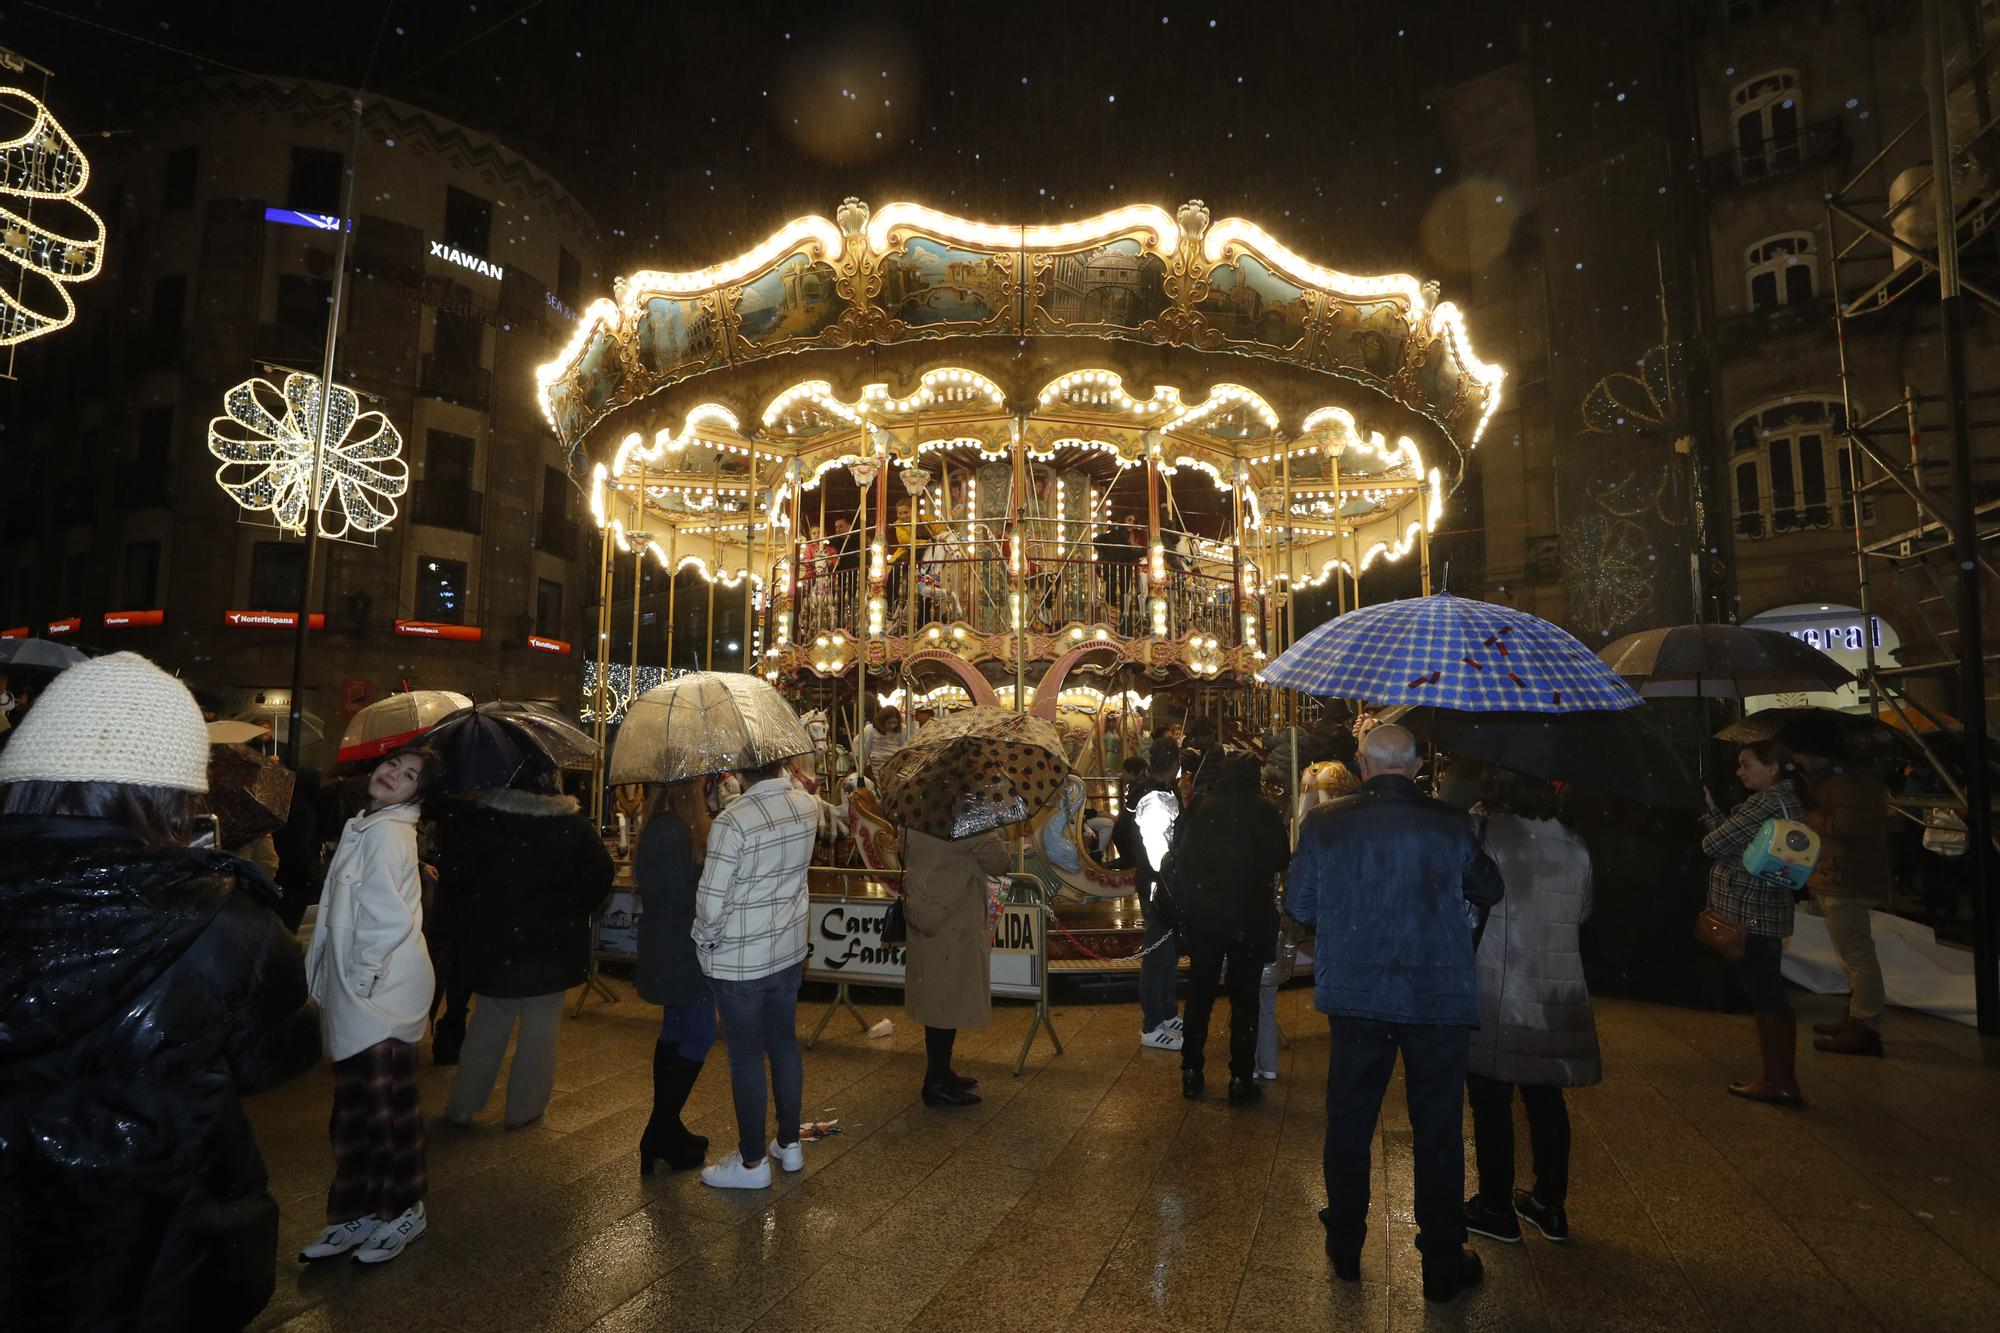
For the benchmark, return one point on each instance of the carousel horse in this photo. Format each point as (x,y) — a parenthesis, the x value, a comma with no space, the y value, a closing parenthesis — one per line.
(877,840)
(1060,853)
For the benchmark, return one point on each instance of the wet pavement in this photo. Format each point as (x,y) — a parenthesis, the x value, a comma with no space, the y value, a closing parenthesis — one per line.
(1088,1194)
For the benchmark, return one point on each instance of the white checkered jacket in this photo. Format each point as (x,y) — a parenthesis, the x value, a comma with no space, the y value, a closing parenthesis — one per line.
(750,911)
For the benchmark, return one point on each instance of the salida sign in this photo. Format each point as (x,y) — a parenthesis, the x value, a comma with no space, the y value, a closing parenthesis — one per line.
(844,943)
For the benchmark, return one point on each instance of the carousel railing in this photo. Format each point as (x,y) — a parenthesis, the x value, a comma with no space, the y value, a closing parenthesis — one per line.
(1073,578)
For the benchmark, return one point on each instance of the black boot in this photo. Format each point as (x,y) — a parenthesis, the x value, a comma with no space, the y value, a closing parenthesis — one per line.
(665,1137)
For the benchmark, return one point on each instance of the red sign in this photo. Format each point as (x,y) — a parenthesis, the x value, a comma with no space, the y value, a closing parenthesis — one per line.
(18,632)
(425,629)
(57,628)
(542,645)
(272,619)
(128,619)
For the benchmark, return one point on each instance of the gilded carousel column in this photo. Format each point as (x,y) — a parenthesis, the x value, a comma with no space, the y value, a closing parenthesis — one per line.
(1156,553)
(673,578)
(714,557)
(1424,534)
(1017,572)
(750,560)
(637,538)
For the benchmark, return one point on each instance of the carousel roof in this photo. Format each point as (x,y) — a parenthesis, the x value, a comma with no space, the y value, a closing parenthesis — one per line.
(893,335)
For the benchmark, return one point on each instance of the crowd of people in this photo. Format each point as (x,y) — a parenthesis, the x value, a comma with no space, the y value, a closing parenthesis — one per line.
(155,984)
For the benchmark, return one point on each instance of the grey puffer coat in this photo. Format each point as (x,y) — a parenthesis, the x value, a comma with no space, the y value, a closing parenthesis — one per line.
(1535,1024)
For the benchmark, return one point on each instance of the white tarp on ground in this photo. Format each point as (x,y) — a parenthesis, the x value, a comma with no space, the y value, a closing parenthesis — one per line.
(1917,972)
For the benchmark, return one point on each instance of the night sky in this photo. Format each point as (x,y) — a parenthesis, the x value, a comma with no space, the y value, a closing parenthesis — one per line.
(690,131)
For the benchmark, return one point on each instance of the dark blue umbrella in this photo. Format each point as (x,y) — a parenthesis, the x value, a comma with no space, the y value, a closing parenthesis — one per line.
(503,743)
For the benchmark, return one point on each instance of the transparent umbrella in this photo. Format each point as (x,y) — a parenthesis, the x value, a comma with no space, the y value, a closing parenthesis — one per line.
(705,722)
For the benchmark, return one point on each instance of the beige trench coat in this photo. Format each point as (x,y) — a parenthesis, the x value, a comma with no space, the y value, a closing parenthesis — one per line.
(949,958)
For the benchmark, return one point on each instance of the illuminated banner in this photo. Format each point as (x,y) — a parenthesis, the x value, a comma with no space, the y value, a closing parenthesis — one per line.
(483,267)
(129,619)
(424,629)
(57,628)
(18,632)
(272,619)
(542,645)
(291,217)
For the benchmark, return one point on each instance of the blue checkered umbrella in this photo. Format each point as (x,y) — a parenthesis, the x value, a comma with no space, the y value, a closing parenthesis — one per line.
(1451,652)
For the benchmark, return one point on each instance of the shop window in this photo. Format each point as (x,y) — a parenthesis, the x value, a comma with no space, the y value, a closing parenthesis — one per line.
(468,222)
(1788,460)
(441,590)
(141,584)
(302,308)
(315,182)
(277,576)
(459,342)
(1765,115)
(178,182)
(1782,270)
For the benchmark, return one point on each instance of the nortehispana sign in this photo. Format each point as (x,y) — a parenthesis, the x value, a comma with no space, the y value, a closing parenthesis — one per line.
(452,255)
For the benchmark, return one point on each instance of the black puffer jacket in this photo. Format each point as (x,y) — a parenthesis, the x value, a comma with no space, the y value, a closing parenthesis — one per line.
(1232,846)
(141,994)
(518,876)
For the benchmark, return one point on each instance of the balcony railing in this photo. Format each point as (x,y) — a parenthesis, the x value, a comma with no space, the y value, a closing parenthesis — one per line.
(1745,334)
(447,506)
(1816,145)
(157,353)
(556,534)
(468,386)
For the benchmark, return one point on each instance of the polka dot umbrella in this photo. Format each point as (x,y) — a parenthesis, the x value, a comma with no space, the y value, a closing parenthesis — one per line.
(973,771)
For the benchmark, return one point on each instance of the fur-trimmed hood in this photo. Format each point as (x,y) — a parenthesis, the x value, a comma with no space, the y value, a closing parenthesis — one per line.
(508,801)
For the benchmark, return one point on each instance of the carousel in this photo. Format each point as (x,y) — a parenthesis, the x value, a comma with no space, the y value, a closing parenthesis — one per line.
(1078,470)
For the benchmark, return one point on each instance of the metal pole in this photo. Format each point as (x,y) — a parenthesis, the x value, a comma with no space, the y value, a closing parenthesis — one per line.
(601,704)
(1971,640)
(296,722)
(749,559)
(714,557)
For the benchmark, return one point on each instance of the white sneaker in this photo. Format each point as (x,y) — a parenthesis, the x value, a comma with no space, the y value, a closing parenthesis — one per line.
(1162,1038)
(392,1236)
(792,1158)
(339,1239)
(1270,1077)
(731,1174)
(1174,1023)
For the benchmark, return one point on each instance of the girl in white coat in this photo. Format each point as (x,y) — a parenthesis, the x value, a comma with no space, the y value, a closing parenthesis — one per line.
(371,973)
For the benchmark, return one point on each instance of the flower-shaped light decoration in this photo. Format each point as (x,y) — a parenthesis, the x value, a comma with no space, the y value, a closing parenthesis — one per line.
(42,166)
(265,442)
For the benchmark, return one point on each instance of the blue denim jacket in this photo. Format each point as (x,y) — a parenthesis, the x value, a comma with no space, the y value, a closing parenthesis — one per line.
(1383,877)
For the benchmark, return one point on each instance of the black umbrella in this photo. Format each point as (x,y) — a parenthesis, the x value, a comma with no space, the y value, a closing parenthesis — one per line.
(499,744)
(1721,662)
(1617,753)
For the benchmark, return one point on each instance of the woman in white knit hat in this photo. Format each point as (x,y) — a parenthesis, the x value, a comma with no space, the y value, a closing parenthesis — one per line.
(147,989)
(371,973)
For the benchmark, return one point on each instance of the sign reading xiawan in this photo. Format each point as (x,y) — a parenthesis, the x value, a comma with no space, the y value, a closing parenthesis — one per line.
(483,267)
(272,619)
(425,629)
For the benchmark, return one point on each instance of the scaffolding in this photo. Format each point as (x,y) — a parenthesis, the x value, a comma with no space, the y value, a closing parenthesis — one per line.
(1939,449)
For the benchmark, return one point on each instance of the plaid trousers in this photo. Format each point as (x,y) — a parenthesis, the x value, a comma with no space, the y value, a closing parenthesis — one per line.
(378,1134)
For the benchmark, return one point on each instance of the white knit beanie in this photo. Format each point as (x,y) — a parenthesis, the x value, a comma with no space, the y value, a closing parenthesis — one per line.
(111,719)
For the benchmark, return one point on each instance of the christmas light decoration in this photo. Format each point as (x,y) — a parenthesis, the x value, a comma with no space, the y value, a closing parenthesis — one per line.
(265,440)
(42,163)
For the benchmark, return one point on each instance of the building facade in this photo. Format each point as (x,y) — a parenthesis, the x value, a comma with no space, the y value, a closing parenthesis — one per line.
(465,267)
(1723,404)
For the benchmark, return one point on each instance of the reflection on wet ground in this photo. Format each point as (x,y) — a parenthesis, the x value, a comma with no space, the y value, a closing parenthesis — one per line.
(1088,1194)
